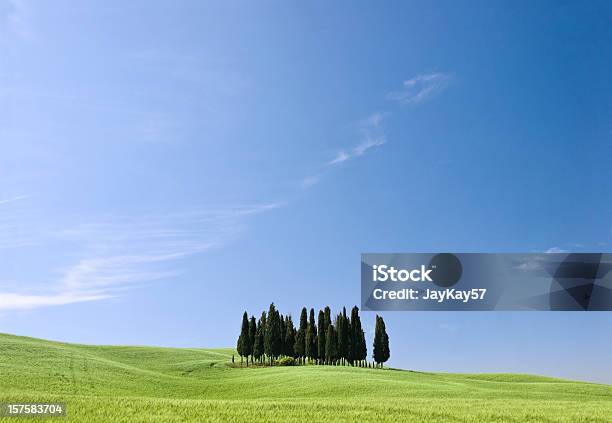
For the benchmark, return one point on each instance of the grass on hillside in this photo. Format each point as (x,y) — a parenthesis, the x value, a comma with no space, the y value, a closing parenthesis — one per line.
(148,384)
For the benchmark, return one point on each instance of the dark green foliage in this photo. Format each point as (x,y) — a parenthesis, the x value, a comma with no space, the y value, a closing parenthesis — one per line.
(252,330)
(244,343)
(283,331)
(386,351)
(277,335)
(258,345)
(381,342)
(264,324)
(357,345)
(309,342)
(342,325)
(363,350)
(272,337)
(240,337)
(289,337)
(304,319)
(264,321)
(321,336)
(268,334)
(331,345)
(313,345)
(300,341)
(377,352)
(300,338)
(326,322)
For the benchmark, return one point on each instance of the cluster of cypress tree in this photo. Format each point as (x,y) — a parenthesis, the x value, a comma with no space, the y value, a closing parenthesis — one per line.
(339,342)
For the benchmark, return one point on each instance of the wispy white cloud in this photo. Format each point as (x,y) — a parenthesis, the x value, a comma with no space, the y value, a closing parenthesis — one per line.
(553,250)
(370,128)
(359,150)
(121,253)
(341,157)
(106,273)
(14,199)
(415,90)
(366,145)
(371,134)
(420,88)
(27,302)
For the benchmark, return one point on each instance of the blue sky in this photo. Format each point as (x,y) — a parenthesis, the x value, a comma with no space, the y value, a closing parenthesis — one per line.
(163,164)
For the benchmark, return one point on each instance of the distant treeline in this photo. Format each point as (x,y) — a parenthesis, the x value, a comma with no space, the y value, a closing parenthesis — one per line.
(274,338)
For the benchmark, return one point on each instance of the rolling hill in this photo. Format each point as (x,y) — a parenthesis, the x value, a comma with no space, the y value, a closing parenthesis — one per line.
(130,384)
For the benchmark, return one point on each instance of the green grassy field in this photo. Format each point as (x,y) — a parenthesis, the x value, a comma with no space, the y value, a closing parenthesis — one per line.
(132,384)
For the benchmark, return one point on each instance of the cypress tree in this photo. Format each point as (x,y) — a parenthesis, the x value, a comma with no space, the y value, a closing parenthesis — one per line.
(278,336)
(327,322)
(244,343)
(308,343)
(252,330)
(289,337)
(386,352)
(381,342)
(327,313)
(239,346)
(321,336)
(354,335)
(263,319)
(340,333)
(313,345)
(343,336)
(377,352)
(258,346)
(272,337)
(283,331)
(331,345)
(347,331)
(359,349)
(267,335)
(300,339)
(363,349)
